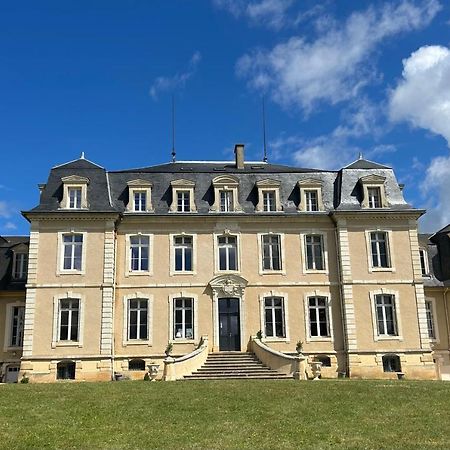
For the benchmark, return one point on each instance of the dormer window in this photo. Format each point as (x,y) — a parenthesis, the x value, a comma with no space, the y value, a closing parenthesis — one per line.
(374,195)
(183,196)
(20,266)
(424,262)
(310,195)
(226,195)
(268,196)
(140,196)
(74,192)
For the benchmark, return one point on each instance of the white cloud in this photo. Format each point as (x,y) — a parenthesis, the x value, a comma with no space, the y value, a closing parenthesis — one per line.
(178,80)
(5,209)
(336,65)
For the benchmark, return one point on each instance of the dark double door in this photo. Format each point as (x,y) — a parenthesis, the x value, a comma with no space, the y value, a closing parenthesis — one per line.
(229,325)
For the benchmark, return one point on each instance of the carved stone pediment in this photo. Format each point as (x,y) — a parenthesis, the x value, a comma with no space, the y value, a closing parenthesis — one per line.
(372,179)
(75,179)
(229,285)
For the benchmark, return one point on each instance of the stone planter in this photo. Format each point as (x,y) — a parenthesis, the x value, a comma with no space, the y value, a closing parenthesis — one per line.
(153,370)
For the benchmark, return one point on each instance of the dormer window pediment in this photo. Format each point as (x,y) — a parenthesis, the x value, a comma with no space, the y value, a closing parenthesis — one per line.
(226,194)
(139,196)
(374,193)
(74,192)
(183,196)
(268,196)
(310,195)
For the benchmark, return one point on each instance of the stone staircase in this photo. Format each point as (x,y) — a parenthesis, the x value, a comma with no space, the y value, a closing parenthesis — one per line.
(235,366)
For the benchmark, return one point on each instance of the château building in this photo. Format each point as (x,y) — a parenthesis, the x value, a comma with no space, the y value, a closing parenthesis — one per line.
(206,255)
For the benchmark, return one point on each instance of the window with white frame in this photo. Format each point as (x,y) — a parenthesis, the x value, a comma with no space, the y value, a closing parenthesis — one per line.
(271,252)
(140,201)
(274,319)
(311,200)
(74,192)
(269,201)
(72,251)
(69,319)
(386,316)
(20,266)
(226,201)
(183,201)
(139,253)
(374,197)
(226,194)
(319,322)
(75,197)
(310,195)
(139,196)
(379,245)
(17,325)
(268,196)
(314,249)
(183,318)
(227,249)
(430,319)
(424,262)
(138,319)
(183,253)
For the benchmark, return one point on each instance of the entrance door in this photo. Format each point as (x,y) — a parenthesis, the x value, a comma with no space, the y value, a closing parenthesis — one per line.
(229,324)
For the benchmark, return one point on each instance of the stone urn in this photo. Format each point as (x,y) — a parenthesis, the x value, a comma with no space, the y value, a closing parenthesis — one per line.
(153,371)
(316,368)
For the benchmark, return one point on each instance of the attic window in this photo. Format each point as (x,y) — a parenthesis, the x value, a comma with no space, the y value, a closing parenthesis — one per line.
(183,196)
(226,194)
(268,196)
(20,265)
(74,192)
(139,196)
(310,195)
(374,193)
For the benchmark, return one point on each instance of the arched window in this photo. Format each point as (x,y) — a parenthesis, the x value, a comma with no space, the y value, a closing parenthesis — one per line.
(391,363)
(324,359)
(65,370)
(136,364)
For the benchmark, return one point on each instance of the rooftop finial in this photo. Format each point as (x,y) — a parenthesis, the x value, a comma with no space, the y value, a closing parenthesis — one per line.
(264,128)
(360,156)
(82,155)
(174,153)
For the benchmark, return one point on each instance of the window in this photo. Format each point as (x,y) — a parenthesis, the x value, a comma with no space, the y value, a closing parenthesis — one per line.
(139,196)
(324,359)
(314,252)
(386,315)
(74,198)
(374,197)
(72,251)
(379,249)
(65,370)
(139,253)
(271,252)
(430,319)
(269,201)
(17,321)
(20,266)
(136,364)
(311,199)
(140,201)
(318,317)
(226,201)
(69,319)
(74,192)
(274,317)
(137,319)
(183,201)
(183,249)
(424,262)
(391,363)
(183,323)
(227,246)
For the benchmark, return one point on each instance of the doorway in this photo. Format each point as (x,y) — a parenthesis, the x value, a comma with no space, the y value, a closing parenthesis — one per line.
(229,325)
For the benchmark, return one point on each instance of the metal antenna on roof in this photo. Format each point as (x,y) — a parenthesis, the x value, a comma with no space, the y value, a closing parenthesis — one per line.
(174,153)
(264,128)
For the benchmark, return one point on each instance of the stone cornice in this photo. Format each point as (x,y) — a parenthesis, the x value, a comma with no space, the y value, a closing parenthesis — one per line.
(70,215)
(378,214)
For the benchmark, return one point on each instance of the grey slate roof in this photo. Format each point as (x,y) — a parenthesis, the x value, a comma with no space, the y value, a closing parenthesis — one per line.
(7,245)
(365,164)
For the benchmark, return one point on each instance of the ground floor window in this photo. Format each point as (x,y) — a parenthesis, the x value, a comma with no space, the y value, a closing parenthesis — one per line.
(65,370)
(136,364)
(183,323)
(391,363)
(274,317)
(324,359)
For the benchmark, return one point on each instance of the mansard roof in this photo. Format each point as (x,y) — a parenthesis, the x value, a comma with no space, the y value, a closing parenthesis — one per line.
(362,163)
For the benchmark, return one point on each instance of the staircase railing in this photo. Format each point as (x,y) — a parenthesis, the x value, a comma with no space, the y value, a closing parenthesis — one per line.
(177,368)
(289,365)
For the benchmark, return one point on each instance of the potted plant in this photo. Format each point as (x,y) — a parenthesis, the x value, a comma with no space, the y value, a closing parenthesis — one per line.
(169,349)
(299,347)
(259,335)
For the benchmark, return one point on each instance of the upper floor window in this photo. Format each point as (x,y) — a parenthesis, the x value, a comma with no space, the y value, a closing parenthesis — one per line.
(74,192)
(226,201)
(271,252)
(183,252)
(140,196)
(374,194)
(310,195)
(227,249)
(430,319)
(17,326)
(319,323)
(268,196)
(424,262)
(226,194)
(137,319)
(269,201)
(20,266)
(374,197)
(139,253)
(386,317)
(72,251)
(314,249)
(311,200)
(379,245)
(183,196)
(183,320)
(69,309)
(274,317)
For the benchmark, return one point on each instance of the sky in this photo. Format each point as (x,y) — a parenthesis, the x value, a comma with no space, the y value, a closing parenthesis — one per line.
(338,78)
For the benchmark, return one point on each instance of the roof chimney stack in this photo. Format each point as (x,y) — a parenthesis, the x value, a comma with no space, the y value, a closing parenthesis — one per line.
(239,152)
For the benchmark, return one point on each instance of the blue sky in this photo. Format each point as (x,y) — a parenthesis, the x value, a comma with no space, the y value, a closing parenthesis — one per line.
(339,78)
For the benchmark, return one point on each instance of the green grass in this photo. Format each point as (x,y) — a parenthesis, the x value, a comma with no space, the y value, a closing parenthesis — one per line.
(226,414)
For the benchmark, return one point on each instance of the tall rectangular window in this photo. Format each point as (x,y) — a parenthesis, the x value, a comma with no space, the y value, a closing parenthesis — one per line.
(314,252)
(20,265)
(140,201)
(379,248)
(183,323)
(183,249)
(318,317)
(183,201)
(69,310)
(139,252)
(430,319)
(269,201)
(227,246)
(274,317)
(386,314)
(74,198)
(312,200)
(423,262)
(138,319)
(73,251)
(226,201)
(17,321)
(271,251)
(374,194)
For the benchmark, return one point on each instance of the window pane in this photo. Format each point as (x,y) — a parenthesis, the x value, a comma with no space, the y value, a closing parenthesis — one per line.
(232,258)
(188,261)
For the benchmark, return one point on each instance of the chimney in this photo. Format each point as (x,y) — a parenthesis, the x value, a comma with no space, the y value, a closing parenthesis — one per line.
(239,152)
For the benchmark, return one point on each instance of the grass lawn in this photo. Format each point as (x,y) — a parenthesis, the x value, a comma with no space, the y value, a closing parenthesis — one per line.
(226,414)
